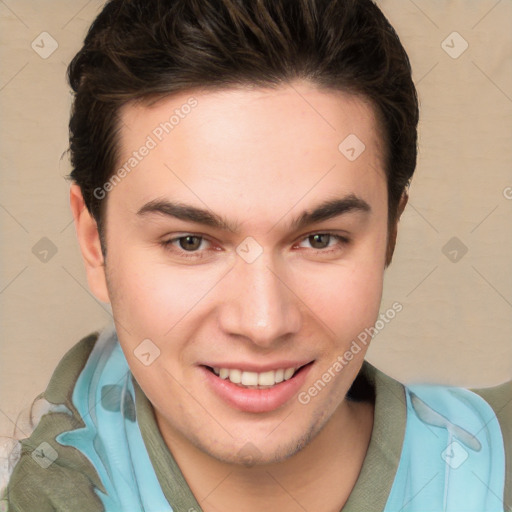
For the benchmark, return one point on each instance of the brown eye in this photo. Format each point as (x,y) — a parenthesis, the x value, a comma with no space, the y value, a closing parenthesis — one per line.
(187,246)
(190,242)
(325,242)
(319,240)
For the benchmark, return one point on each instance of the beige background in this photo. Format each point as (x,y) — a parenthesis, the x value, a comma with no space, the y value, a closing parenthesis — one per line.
(456,323)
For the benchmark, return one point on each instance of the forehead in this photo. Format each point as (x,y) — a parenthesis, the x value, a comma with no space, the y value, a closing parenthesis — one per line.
(250,145)
(257,109)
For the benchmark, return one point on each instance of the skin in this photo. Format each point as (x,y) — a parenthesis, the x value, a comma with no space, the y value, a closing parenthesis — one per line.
(259,158)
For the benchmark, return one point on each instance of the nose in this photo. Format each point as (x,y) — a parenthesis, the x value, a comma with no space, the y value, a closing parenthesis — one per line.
(261,306)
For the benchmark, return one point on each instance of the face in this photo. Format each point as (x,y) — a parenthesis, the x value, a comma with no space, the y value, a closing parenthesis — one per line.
(245,243)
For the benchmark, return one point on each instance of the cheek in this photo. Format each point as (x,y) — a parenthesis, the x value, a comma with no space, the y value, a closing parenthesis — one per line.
(151,297)
(346,296)
(345,301)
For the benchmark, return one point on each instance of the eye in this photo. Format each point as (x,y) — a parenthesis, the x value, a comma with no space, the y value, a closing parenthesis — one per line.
(191,245)
(320,242)
(187,243)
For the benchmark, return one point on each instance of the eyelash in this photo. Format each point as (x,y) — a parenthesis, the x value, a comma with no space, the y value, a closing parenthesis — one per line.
(167,244)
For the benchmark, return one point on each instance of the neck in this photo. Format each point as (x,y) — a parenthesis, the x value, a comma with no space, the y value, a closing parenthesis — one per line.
(319,477)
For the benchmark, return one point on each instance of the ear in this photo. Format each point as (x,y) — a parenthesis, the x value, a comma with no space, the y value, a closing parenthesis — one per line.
(394,229)
(89,240)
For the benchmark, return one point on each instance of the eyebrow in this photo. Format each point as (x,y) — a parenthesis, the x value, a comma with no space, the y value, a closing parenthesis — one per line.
(326,210)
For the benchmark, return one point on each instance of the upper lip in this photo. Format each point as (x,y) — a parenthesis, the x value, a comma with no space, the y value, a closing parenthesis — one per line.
(259,368)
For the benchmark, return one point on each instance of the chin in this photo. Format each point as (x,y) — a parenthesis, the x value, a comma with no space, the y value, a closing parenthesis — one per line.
(264,451)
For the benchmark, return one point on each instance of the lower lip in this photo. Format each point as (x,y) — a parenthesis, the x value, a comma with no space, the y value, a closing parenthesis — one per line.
(256,400)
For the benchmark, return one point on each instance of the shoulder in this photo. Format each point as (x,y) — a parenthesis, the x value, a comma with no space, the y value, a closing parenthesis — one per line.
(500,399)
(463,411)
(42,474)
(68,369)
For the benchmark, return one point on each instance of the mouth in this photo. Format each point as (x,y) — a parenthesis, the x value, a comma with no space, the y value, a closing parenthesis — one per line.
(257,380)
(255,392)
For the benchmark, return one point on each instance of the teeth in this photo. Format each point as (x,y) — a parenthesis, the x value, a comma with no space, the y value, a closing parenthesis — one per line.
(235,376)
(288,373)
(267,378)
(254,379)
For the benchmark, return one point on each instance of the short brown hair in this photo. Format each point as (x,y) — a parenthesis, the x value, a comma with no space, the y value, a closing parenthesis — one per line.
(147,49)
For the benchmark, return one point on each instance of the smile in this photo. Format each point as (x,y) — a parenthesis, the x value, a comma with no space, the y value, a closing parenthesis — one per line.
(255,392)
(254,379)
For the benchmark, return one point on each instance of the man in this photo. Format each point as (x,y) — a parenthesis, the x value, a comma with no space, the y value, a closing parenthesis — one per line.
(239,170)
